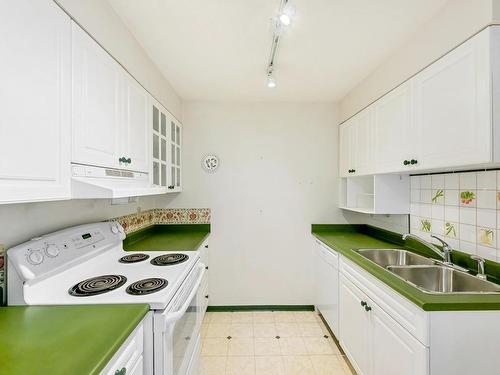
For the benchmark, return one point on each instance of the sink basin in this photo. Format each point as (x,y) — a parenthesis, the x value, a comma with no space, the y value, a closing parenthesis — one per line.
(394,257)
(441,279)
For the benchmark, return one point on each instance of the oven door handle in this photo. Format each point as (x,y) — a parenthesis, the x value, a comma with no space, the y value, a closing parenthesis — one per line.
(173,316)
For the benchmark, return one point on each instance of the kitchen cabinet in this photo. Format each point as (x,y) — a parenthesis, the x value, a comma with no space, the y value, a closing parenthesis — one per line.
(453,107)
(96,103)
(110,109)
(35,75)
(166,148)
(354,329)
(175,155)
(445,117)
(327,286)
(355,140)
(393,128)
(135,142)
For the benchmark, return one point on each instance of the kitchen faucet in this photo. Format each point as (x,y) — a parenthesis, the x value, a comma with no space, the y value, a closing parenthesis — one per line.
(445,254)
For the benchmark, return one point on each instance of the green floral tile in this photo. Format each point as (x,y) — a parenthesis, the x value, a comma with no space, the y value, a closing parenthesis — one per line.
(486,237)
(451,229)
(425,225)
(438,196)
(468,198)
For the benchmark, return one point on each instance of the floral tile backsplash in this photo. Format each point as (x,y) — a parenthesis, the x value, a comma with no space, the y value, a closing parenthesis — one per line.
(464,208)
(134,222)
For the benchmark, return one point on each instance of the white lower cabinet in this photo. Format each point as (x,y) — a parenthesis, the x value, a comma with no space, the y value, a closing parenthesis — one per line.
(133,357)
(354,330)
(374,342)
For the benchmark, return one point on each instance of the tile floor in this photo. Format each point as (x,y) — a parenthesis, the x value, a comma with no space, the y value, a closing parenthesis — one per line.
(269,343)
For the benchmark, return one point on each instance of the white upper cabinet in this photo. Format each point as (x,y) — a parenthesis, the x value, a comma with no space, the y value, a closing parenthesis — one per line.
(175,155)
(453,107)
(445,117)
(110,109)
(356,139)
(96,103)
(134,143)
(35,97)
(393,139)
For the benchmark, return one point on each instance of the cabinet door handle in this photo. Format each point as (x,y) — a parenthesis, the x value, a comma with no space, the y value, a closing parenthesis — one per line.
(406,162)
(206,296)
(129,160)
(122,371)
(171,186)
(367,308)
(122,160)
(413,161)
(363,303)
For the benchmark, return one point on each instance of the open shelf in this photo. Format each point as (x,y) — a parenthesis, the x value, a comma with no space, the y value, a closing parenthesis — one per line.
(376,194)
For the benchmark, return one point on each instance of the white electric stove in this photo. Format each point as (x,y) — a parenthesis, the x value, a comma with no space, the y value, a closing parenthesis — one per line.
(87,265)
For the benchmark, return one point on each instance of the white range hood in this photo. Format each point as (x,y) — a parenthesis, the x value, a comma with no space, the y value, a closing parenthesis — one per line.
(89,182)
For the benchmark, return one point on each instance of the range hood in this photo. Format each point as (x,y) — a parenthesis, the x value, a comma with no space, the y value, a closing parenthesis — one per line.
(89,182)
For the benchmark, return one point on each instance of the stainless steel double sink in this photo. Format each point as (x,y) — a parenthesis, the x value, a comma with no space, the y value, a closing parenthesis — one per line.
(429,275)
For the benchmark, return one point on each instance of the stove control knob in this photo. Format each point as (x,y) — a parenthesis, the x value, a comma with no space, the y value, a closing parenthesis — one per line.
(114,229)
(35,257)
(52,251)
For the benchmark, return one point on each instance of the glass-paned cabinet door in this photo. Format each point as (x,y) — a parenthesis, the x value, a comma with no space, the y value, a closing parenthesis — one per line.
(175,155)
(159,149)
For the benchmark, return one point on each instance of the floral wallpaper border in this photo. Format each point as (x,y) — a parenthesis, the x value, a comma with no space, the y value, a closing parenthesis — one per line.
(137,221)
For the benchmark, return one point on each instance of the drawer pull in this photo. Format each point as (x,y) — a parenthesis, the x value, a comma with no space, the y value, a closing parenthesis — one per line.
(123,371)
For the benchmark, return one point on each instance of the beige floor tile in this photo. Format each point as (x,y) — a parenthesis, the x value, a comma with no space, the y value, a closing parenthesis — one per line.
(240,366)
(221,317)
(269,366)
(213,365)
(318,345)
(305,316)
(329,365)
(214,346)
(241,330)
(288,329)
(218,330)
(241,347)
(298,365)
(284,317)
(310,329)
(292,346)
(242,317)
(267,346)
(207,317)
(263,317)
(264,330)
(203,330)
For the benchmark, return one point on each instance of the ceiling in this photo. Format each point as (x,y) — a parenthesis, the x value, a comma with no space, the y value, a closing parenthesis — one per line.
(218,49)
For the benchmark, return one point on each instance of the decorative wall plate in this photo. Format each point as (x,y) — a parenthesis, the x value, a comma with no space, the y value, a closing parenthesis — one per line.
(210,163)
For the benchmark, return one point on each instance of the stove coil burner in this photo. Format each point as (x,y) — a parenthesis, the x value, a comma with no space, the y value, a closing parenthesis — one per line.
(133,258)
(169,259)
(97,285)
(146,286)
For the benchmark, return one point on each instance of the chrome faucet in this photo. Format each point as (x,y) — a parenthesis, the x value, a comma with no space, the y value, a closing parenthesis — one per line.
(445,254)
(480,266)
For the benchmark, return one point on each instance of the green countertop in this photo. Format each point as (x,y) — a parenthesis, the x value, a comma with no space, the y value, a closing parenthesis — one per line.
(171,237)
(64,339)
(344,238)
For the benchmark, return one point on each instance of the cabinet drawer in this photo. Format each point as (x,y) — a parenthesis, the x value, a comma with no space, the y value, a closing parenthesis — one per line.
(411,317)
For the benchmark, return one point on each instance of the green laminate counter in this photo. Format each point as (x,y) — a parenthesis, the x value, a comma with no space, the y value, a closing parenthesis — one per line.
(345,238)
(76,340)
(171,237)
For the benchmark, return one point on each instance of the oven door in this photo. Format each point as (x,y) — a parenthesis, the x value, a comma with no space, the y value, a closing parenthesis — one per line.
(177,329)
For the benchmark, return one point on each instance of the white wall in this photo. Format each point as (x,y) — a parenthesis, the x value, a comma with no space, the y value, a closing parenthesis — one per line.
(456,22)
(278,174)
(101,21)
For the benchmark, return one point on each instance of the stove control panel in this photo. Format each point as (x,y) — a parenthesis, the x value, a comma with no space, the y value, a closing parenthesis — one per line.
(62,249)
